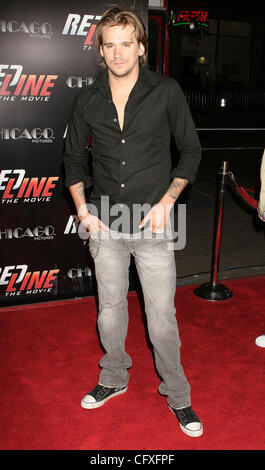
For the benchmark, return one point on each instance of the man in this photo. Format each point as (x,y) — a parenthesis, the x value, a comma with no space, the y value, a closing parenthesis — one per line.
(130,113)
(260,340)
(261,202)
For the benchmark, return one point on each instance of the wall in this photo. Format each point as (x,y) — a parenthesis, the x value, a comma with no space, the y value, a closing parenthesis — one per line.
(47,56)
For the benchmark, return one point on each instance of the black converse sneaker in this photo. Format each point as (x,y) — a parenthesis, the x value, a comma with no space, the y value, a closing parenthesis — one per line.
(100,394)
(189,422)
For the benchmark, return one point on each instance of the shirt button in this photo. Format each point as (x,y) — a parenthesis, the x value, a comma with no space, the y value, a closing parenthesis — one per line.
(123,163)
(122,185)
(114,120)
(123,141)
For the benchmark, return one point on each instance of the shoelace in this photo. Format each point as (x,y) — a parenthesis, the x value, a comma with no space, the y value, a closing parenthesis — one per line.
(100,391)
(187,415)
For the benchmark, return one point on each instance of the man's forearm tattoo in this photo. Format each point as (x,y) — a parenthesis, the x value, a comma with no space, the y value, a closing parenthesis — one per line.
(79,189)
(176,187)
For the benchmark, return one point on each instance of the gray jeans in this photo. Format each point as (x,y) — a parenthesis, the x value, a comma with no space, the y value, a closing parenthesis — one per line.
(156,269)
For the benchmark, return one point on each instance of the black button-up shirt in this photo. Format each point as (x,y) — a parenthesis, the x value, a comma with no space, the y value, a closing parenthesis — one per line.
(131,166)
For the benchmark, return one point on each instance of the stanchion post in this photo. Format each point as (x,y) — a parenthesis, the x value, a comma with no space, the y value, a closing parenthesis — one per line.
(213,290)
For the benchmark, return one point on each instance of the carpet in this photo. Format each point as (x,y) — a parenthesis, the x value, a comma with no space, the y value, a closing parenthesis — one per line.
(49,361)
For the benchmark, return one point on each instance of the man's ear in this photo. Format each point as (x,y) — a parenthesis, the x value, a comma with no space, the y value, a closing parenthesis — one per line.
(141,49)
(101,51)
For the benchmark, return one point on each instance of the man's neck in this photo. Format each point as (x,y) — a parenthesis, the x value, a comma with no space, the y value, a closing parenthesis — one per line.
(125,83)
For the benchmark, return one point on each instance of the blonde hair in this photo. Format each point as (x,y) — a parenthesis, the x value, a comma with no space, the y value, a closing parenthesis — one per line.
(122,16)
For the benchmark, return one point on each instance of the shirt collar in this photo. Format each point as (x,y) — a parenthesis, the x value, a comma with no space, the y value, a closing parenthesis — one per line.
(145,79)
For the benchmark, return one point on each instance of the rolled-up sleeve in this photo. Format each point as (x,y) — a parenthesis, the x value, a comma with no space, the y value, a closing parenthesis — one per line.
(186,138)
(76,146)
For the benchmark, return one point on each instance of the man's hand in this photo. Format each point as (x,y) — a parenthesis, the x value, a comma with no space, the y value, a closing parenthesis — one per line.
(158,217)
(159,214)
(92,223)
(261,217)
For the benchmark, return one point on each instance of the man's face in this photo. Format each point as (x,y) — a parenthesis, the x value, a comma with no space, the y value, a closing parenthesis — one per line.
(121,50)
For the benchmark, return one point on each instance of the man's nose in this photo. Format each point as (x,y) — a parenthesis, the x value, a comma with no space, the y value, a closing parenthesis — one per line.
(117,52)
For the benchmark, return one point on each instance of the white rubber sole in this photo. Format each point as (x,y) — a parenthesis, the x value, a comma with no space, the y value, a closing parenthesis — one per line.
(189,432)
(93,405)
(260,341)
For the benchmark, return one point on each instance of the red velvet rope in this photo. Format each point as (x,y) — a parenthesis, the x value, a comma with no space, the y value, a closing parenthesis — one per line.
(241,192)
